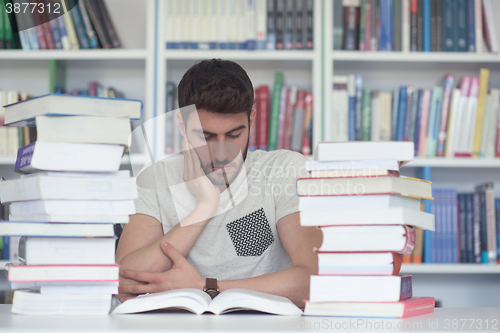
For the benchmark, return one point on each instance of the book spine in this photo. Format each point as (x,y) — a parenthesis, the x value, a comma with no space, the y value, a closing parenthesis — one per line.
(6,248)
(223,23)
(433,26)
(24,156)
(448,39)
(95,17)
(263,110)
(3,24)
(462,240)
(418,122)
(401,113)
(338,24)
(368,24)
(478,19)
(62,32)
(351,33)
(484,228)
(271,25)
(351,93)
(108,23)
(406,30)
(409,99)
(426,24)
(461,24)
(362,25)
(439,25)
(497,142)
(448,82)
(54,30)
(71,32)
(288,22)
(406,287)
(417,308)
(489,29)
(476,209)
(420,25)
(484,78)
(261,23)
(394,118)
(497,218)
(285,91)
(424,124)
(296,16)
(275,111)
(292,100)
(366,115)
(307,126)
(375,116)
(375,37)
(308,26)
(386,25)
(298,122)
(359,103)
(280,24)
(413,26)
(242,27)
(89,29)
(416,98)
(40,32)
(79,27)
(397,25)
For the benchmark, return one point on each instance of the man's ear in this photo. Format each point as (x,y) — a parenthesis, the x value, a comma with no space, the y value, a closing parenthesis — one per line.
(180,123)
(253,115)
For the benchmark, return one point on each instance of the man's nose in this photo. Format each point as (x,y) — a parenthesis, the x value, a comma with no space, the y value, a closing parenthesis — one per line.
(219,150)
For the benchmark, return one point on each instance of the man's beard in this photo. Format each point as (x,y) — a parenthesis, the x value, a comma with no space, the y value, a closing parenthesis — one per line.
(225,178)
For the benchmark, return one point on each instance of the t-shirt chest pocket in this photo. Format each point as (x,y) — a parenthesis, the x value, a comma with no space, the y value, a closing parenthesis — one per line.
(251,235)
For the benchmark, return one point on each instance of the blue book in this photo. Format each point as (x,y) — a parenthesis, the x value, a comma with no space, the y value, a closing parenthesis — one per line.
(394,114)
(454,225)
(427,255)
(484,229)
(416,139)
(471,26)
(448,26)
(461,26)
(62,31)
(469,228)
(386,32)
(6,248)
(351,92)
(271,25)
(54,31)
(426,18)
(400,130)
(476,228)
(79,27)
(436,236)
(462,227)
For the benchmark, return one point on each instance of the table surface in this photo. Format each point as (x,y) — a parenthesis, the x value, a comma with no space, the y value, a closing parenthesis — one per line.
(442,320)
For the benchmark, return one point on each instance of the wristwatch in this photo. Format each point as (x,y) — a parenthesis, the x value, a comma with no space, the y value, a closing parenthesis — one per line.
(211,287)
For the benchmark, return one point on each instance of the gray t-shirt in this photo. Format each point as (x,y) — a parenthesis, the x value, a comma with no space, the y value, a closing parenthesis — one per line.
(242,241)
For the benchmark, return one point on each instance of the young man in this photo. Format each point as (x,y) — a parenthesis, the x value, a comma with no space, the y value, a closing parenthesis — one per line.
(257,243)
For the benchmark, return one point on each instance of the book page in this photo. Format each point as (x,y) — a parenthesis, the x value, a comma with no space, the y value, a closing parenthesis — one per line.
(189,299)
(242,299)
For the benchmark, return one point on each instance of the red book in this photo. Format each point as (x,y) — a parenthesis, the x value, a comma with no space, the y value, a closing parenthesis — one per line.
(368,26)
(263,109)
(285,92)
(307,127)
(413,306)
(252,145)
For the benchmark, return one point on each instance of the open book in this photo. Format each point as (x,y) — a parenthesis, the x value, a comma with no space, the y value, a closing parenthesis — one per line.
(197,301)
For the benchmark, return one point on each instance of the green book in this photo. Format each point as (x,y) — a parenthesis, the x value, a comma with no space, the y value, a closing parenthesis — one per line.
(2,26)
(274,116)
(362,24)
(366,115)
(8,34)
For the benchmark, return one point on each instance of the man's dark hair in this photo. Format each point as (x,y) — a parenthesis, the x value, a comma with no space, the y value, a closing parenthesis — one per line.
(219,86)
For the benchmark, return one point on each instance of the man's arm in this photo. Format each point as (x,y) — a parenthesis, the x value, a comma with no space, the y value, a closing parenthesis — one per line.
(292,283)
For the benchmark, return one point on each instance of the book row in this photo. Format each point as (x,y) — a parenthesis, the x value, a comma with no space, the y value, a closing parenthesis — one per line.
(414,25)
(467,227)
(240,24)
(86,24)
(445,121)
(283,120)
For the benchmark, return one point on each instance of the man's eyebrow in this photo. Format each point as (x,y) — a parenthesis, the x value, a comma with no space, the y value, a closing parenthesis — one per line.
(210,133)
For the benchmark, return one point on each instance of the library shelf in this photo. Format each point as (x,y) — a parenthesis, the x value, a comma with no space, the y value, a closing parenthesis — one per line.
(443,162)
(95,54)
(450,269)
(264,55)
(417,57)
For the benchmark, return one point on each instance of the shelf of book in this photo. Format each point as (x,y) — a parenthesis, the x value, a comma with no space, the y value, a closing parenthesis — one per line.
(95,54)
(417,57)
(450,269)
(240,55)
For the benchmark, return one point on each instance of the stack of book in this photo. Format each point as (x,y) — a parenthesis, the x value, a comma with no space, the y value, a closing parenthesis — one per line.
(65,205)
(367,213)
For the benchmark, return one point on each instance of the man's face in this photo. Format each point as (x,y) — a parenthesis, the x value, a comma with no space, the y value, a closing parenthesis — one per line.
(226,135)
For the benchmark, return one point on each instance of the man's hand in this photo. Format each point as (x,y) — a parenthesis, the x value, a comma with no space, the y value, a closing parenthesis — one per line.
(181,275)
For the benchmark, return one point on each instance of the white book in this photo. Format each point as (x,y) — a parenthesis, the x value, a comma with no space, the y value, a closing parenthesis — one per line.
(213,24)
(186,24)
(478,19)
(42,187)
(84,129)
(116,174)
(486,128)
(453,123)
(113,290)
(241,24)
(375,124)
(348,151)
(76,157)
(34,303)
(492,124)
(231,23)
(491,36)
(339,110)
(198,302)
(23,113)
(222,23)
(342,166)
(194,32)
(45,229)
(37,285)
(261,23)
(77,207)
(70,218)
(406,26)
(470,125)
(204,24)
(250,20)
(67,251)
(385,112)
(360,202)
(60,273)
(461,121)
(356,216)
